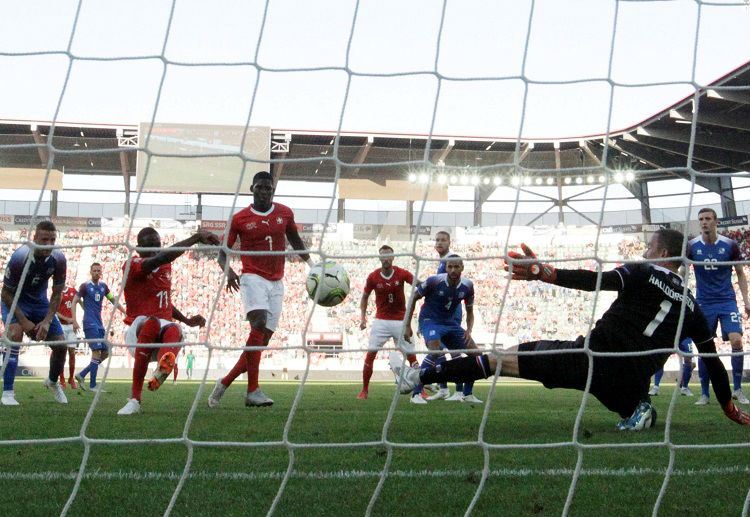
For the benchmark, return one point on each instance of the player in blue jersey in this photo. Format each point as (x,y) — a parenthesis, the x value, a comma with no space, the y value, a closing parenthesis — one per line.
(687,371)
(26,309)
(716,295)
(443,247)
(93,294)
(442,294)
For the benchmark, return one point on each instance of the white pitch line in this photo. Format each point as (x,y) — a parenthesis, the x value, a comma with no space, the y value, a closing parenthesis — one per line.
(120,475)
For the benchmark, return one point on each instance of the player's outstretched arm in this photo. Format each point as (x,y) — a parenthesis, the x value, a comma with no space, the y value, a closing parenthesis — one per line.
(168,255)
(581,279)
(720,383)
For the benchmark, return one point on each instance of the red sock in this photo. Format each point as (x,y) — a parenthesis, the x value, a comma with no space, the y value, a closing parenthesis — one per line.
(140,367)
(238,369)
(252,358)
(62,378)
(367,370)
(412,360)
(174,378)
(148,333)
(170,335)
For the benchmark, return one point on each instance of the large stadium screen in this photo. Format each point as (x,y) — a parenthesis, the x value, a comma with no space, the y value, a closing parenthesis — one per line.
(201,158)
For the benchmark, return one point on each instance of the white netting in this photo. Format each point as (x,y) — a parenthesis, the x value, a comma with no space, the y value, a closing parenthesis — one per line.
(599,256)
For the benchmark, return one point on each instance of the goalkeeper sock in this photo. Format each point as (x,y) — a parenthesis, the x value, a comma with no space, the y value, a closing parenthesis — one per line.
(658,375)
(467,388)
(94,367)
(687,373)
(140,367)
(737,363)
(703,375)
(9,377)
(252,357)
(428,364)
(440,360)
(461,369)
(367,370)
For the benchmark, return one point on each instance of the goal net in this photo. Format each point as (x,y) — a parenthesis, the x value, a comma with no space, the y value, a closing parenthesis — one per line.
(578,129)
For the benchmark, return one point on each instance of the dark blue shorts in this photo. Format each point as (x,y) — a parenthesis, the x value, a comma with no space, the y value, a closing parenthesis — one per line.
(35,315)
(95,333)
(724,313)
(451,336)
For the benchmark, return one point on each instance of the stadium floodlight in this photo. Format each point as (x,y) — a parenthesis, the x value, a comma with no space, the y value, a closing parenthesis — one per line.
(619,177)
(527,181)
(464,180)
(442,179)
(567,180)
(486,180)
(515,181)
(629,176)
(589,179)
(424,178)
(412,178)
(475,180)
(602,179)
(497,180)
(453,179)
(550,181)
(579,180)
(538,181)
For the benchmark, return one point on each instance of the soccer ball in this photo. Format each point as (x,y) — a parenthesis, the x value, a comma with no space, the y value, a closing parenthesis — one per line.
(328,281)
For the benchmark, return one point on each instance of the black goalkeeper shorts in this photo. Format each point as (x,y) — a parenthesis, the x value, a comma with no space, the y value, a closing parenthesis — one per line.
(619,393)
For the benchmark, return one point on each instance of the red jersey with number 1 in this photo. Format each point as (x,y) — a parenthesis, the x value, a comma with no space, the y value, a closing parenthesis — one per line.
(66,303)
(262,231)
(389,292)
(147,293)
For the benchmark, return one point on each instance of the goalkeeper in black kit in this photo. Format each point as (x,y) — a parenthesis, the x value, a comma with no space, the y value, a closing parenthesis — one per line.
(645,317)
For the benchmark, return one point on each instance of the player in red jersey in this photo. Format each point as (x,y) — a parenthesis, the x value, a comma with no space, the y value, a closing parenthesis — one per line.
(149,310)
(263,226)
(388,283)
(70,331)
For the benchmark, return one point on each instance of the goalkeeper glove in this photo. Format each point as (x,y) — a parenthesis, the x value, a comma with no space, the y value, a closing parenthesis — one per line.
(736,414)
(530,270)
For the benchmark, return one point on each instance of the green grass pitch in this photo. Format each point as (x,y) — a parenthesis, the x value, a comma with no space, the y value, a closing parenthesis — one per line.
(139,479)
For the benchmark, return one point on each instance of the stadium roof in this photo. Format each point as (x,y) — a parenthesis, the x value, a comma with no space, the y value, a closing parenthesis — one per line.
(657,148)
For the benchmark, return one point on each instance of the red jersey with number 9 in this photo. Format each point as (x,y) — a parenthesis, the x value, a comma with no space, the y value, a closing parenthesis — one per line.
(66,303)
(262,231)
(389,292)
(147,293)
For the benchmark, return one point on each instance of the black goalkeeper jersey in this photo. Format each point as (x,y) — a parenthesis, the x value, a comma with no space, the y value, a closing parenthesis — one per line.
(645,316)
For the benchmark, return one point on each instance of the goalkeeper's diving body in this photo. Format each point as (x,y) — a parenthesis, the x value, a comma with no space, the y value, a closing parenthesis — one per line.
(644,317)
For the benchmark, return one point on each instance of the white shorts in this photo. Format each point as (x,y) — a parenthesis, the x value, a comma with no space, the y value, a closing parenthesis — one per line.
(259,293)
(70,335)
(383,330)
(131,333)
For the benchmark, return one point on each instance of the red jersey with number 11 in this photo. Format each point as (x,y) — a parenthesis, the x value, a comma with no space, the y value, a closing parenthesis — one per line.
(389,292)
(262,231)
(147,293)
